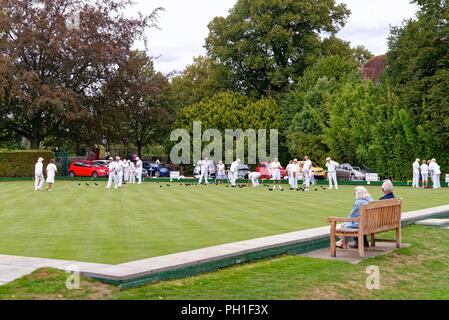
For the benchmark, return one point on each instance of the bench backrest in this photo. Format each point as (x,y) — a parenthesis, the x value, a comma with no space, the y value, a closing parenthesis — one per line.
(380,216)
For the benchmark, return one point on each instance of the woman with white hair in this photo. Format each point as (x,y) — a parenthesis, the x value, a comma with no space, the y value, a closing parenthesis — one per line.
(51,173)
(362,198)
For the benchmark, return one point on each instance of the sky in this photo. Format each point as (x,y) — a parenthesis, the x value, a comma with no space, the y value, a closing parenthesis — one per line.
(183,26)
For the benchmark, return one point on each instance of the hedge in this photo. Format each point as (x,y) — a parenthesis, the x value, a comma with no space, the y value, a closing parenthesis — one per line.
(20,163)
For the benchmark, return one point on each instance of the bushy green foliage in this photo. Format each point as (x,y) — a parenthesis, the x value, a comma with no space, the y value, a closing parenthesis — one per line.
(21,163)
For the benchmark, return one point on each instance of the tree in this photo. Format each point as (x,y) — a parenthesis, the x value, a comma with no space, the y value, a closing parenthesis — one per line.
(265,45)
(52,69)
(197,82)
(418,71)
(137,111)
(306,108)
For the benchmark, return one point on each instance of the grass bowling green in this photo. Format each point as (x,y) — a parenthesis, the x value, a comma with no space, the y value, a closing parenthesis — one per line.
(84,222)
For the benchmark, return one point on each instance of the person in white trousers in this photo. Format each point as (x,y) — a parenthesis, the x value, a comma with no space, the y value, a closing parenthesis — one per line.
(436,173)
(119,173)
(204,174)
(295,173)
(416,173)
(306,171)
(332,173)
(111,174)
(126,171)
(39,175)
(254,177)
(425,174)
(233,172)
(132,172)
(289,170)
(139,168)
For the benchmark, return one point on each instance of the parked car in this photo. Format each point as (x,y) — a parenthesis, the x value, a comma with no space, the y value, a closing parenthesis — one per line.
(156,170)
(243,171)
(84,168)
(265,171)
(318,172)
(347,172)
(212,170)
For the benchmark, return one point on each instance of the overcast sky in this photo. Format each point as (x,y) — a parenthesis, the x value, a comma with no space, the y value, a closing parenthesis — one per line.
(184,26)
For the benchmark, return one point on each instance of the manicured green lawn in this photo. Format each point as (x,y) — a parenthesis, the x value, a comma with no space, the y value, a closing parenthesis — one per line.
(418,272)
(89,223)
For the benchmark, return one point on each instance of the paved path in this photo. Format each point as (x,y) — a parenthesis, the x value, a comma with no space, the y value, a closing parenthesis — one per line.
(13,267)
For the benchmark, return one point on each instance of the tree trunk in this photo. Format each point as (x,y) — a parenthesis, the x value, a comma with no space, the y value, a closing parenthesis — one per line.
(35,142)
(139,149)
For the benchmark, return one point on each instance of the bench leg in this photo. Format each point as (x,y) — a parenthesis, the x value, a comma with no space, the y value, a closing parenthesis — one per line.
(398,238)
(373,240)
(361,246)
(333,241)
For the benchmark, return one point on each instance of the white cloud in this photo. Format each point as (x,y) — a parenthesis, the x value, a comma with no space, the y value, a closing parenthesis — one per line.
(184,26)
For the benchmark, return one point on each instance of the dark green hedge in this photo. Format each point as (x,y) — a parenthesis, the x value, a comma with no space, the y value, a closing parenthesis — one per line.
(20,163)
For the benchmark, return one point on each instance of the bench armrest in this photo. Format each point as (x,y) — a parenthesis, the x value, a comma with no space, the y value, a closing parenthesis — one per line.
(335,219)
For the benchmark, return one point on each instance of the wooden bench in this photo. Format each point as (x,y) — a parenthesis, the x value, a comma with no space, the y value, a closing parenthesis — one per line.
(376,217)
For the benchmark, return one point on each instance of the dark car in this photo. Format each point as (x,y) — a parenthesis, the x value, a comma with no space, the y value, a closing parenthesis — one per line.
(156,170)
(243,171)
(346,171)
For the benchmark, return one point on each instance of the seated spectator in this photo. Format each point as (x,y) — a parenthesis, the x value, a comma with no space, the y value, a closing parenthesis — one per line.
(362,197)
(387,189)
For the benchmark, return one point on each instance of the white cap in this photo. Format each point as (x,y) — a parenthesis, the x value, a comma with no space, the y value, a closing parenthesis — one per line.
(117,158)
(434,160)
(40,159)
(328,159)
(418,160)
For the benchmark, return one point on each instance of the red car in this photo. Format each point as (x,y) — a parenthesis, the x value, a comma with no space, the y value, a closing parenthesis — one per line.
(265,170)
(84,168)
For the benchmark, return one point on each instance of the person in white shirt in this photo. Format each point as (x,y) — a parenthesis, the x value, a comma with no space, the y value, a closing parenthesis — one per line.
(119,173)
(39,175)
(221,172)
(234,172)
(51,174)
(295,173)
(425,174)
(111,178)
(276,173)
(126,171)
(332,173)
(289,170)
(132,172)
(204,174)
(139,169)
(416,170)
(254,177)
(436,172)
(307,172)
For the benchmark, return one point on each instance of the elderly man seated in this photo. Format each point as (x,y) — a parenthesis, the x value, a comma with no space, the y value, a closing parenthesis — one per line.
(387,189)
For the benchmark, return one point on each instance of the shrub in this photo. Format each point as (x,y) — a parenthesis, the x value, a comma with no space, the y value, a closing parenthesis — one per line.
(20,163)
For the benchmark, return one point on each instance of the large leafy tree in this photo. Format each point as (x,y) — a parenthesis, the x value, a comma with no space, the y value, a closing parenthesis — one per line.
(53,65)
(137,109)
(418,70)
(266,44)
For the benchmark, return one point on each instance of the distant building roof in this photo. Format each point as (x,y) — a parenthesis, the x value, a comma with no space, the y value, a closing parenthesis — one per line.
(375,67)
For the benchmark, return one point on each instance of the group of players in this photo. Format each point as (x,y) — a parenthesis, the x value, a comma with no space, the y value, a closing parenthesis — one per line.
(422,170)
(294,171)
(124,171)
